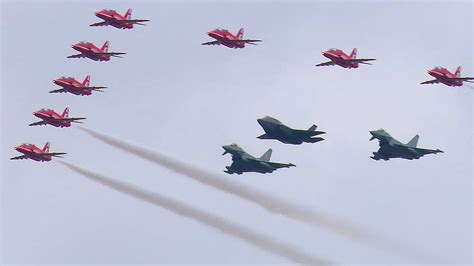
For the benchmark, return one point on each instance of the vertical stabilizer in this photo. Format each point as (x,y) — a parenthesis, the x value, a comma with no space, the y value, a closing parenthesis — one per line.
(458,72)
(105,47)
(414,141)
(240,34)
(266,156)
(312,128)
(353,54)
(66,112)
(86,81)
(128,14)
(46,148)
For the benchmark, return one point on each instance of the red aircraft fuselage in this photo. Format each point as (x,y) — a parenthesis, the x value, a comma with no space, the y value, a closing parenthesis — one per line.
(51,117)
(112,18)
(91,51)
(70,84)
(340,58)
(33,152)
(445,76)
(224,37)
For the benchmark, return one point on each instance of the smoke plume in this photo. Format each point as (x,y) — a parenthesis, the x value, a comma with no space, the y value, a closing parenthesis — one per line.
(267,201)
(258,240)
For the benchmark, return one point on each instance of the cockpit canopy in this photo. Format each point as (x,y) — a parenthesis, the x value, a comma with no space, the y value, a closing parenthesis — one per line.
(85,43)
(334,50)
(439,68)
(107,10)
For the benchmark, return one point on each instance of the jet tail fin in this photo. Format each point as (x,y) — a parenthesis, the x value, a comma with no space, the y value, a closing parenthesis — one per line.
(105,47)
(414,141)
(266,156)
(128,14)
(458,72)
(86,81)
(312,128)
(46,148)
(353,54)
(66,112)
(240,34)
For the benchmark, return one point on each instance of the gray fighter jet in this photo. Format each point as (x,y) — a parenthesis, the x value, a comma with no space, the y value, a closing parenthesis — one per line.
(244,162)
(274,129)
(392,148)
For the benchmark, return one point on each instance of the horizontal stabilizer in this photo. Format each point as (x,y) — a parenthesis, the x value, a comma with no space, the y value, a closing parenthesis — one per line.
(314,140)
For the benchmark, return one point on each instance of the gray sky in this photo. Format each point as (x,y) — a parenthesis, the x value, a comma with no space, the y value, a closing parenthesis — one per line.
(171,94)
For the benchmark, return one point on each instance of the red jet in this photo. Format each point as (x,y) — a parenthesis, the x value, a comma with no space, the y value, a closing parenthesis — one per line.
(112,18)
(75,87)
(340,58)
(30,151)
(228,39)
(91,51)
(444,76)
(49,116)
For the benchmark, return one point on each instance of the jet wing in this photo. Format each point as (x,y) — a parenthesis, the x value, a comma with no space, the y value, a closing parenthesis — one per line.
(55,154)
(211,43)
(59,90)
(72,119)
(430,81)
(249,41)
(99,24)
(359,60)
(76,56)
(468,79)
(125,21)
(273,164)
(94,88)
(428,151)
(280,165)
(38,123)
(21,157)
(330,63)
(116,54)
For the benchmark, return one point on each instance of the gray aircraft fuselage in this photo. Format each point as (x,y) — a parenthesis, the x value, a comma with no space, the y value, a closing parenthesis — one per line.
(244,162)
(392,148)
(274,129)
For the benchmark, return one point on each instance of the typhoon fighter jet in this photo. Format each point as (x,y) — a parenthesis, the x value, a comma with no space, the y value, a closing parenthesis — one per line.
(228,39)
(50,117)
(392,148)
(114,19)
(274,129)
(30,151)
(442,75)
(338,57)
(244,162)
(89,50)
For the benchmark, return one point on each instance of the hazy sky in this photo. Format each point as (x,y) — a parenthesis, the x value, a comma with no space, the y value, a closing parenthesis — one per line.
(185,100)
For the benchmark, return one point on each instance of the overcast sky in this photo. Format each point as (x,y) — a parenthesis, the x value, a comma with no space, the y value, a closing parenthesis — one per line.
(185,100)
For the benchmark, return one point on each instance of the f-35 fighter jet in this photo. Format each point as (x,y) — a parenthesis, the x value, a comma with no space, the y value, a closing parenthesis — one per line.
(244,162)
(392,148)
(274,129)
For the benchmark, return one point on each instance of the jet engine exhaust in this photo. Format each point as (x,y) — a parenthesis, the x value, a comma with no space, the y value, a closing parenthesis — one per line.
(258,240)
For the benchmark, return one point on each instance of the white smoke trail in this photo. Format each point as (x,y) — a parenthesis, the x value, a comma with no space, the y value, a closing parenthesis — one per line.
(258,240)
(269,202)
